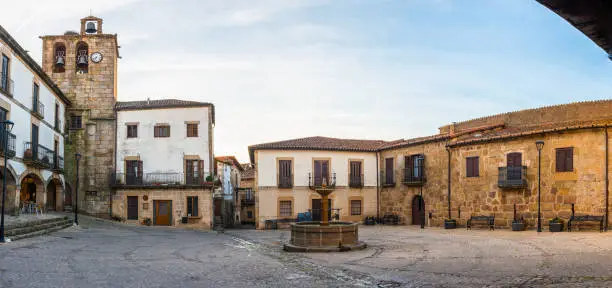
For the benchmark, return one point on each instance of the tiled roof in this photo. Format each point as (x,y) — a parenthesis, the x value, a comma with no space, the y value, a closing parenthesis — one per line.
(413,141)
(162,104)
(230,160)
(248,171)
(320,143)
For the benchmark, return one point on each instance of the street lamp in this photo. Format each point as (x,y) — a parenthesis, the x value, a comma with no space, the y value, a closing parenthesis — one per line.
(539,145)
(8,126)
(77,156)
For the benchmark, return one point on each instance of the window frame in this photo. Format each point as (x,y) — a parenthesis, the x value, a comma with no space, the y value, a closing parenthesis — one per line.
(80,118)
(280,208)
(280,183)
(134,131)
(474,173)
(157,129)
(351,207)
(568,158)
(196,130)
(192,201)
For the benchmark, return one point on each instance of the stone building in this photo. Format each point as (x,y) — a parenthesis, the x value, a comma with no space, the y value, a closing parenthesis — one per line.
(83,64)
(35,145)
(226,203)
(246,195)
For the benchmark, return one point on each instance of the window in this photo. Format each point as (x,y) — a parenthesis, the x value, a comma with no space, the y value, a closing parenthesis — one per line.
(192,130)
(565,159)
(192,206)
(75,122)
(5,80)
(285,208)
(249,214)
(321,172)
(413,168)
(35,103)
(388,179)
(193,171)
(285,174)
(471,167)
(57,117)
(355,207)
(133,174)
(355,177)
(161,131)
(132,131)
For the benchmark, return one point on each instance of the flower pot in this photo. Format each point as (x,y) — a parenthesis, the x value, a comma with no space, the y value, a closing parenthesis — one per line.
(555,227)
(184,220)
(518,226)
(450,224)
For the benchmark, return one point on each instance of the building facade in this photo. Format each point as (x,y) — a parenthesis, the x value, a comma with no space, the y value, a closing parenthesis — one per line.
(83,64)
(164,156)
(35,145)
(286,171)
(226,196)
(246,195)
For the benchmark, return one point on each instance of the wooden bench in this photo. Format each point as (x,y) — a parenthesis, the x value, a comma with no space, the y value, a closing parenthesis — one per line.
(490,221)
(586,218)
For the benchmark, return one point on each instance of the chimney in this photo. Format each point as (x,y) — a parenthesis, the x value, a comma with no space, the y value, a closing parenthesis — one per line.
(452,129)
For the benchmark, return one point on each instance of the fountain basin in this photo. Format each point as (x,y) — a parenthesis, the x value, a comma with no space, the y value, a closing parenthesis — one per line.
(312,237)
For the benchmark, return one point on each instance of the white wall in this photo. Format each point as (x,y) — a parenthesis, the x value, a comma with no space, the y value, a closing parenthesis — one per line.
(163,154)
(303,161)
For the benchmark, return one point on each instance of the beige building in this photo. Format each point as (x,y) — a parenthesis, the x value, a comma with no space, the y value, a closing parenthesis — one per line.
(286,171)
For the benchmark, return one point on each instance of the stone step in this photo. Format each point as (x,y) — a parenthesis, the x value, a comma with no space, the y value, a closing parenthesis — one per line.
(68,208)
(37,228)
(35,222)
(41,232)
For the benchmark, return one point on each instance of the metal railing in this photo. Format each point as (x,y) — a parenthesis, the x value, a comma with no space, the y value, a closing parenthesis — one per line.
(285,181)
(7,85)
(38,155)
(38,108)
(414,176)
(11,146)
(387,179)
(156,179)
(59,163)
(356,181)
(512,177)
(319,181)
(247,202)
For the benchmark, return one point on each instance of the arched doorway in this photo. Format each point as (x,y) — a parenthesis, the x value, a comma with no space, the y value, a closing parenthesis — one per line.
(54,195)
(418,210)
(32,190)
(11,205)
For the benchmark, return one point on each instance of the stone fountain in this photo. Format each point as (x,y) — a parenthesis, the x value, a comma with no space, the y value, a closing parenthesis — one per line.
(324,236)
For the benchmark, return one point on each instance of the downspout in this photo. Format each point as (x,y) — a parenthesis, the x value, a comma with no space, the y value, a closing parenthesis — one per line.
(114,166)
(448,149)
(377,187)
(606,177)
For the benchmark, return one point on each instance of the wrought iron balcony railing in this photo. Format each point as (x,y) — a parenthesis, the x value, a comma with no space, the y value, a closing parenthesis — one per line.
(356,181)
(7,85)
(38,108)
(512,177)
(414,176)
(285,181)
(10,148)
(247,202)
(59,163)
(320,181)
(387,179)
(38,155)
(157,179)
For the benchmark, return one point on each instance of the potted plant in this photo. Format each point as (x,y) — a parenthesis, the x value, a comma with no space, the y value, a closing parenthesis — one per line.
(450,223)
(146,221)
(27,153)
(555,224)
(518,224)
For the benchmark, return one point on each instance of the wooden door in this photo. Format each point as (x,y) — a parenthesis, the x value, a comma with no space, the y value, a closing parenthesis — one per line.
(321,172)
(51,190)
(514,163)
(389,171)
(418,208)
(317,209)
(163,212)
(35,142)
(218,203)
(132,210)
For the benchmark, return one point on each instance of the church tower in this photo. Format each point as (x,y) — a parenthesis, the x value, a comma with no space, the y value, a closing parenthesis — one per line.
(84,65)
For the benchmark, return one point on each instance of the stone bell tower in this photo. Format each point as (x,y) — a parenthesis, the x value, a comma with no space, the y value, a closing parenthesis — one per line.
(84,65)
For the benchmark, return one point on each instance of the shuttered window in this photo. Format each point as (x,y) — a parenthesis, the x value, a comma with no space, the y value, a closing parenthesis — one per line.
(565,159)
(192,130)
(285,175)
(192,206)
(355,207)
(161,131)
(285,208)
(471,166)
(321,172)
(355,177)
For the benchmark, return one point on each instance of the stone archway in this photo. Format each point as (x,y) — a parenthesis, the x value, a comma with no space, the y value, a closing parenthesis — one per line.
(55,195)
(11,191)
(32,190)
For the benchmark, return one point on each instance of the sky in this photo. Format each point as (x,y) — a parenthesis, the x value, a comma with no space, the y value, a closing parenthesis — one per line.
(385,69)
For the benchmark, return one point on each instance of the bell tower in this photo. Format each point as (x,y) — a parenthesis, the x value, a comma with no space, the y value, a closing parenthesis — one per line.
(84,65)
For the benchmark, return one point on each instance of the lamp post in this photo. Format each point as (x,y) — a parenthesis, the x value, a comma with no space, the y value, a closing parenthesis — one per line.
(8,126)
(77,156)
(539,145)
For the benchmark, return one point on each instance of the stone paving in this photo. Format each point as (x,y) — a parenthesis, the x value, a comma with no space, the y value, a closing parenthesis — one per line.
(105,254)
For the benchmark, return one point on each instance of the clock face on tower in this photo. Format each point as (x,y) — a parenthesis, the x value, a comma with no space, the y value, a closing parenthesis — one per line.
(96,57)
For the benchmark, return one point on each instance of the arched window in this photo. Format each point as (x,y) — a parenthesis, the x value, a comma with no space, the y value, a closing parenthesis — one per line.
(59,58)
(82,58)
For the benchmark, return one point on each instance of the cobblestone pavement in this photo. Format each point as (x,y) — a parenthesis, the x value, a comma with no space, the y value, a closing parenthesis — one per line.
(104,254)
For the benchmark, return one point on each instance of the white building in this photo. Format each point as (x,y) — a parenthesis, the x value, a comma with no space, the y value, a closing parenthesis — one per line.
(30,99)
(163,162)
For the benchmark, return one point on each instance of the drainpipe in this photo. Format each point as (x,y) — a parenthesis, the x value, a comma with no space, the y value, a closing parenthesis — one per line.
(378,187)
(448,149)
(606,176)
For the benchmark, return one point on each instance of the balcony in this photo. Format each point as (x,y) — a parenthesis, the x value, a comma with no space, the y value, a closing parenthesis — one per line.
(320,182)
(387,179)
(38,109)
(38,156)
(356,181)
(59,163)
(285,181)
(247,202)
(157,179)
(512,177)
(10,148)
(414,176)
(7,85)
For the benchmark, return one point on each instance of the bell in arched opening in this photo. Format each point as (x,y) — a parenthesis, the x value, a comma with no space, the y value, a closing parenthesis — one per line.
(59,61)
(82,60)
(91,27)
